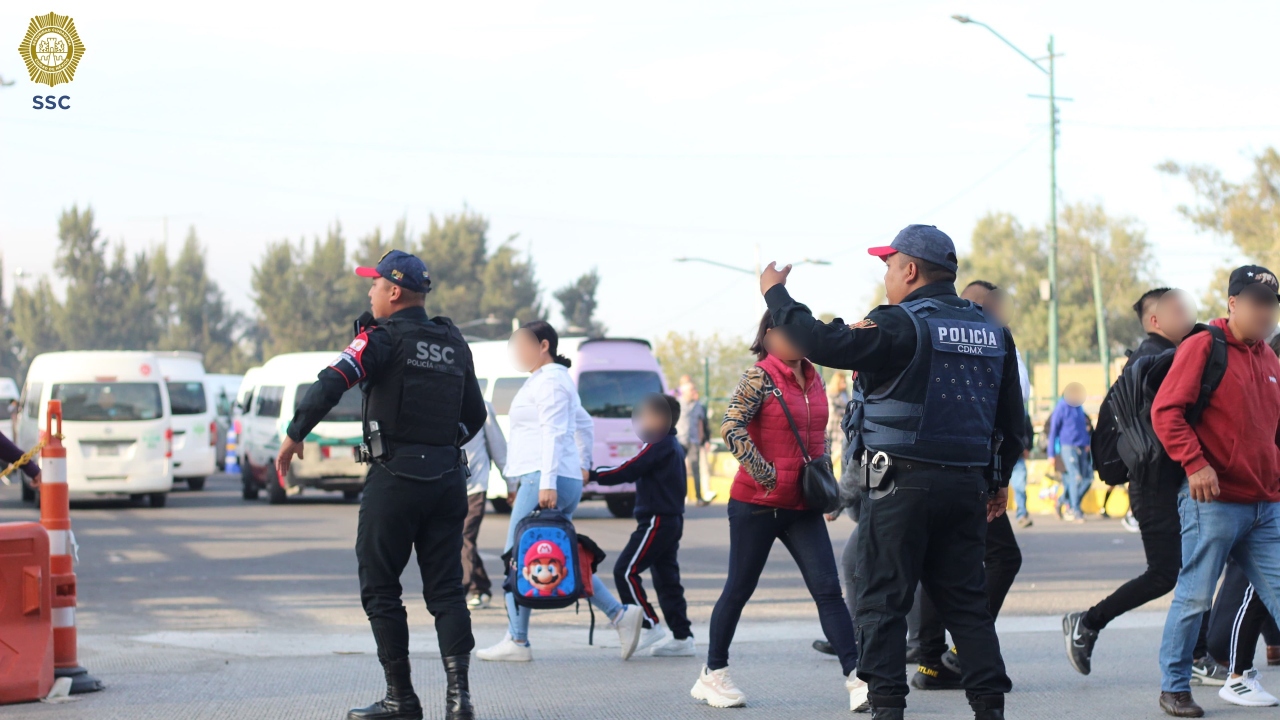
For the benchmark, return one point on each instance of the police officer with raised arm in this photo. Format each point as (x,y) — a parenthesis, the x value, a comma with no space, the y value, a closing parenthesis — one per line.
(935,421)
(421,404)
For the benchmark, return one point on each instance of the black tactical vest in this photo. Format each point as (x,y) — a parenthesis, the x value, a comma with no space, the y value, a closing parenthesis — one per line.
(942,407)
(417,400)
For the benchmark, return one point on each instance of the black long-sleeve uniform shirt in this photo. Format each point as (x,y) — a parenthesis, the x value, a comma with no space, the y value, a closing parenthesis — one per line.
(880,347)
(363,362)
(659,474)
(10,453)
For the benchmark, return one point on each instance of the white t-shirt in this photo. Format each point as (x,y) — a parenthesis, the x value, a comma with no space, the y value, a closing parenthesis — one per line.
(549,431)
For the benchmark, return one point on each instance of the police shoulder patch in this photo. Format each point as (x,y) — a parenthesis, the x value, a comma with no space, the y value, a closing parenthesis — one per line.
(863,324)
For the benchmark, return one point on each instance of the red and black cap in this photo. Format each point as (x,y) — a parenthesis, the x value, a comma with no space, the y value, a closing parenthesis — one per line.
(926,242)
(401,268)
(1254,280)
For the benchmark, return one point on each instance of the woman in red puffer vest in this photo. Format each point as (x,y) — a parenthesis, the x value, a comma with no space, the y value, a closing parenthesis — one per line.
(767,503)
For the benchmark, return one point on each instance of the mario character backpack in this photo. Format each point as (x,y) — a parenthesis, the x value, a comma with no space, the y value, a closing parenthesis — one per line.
(543,567)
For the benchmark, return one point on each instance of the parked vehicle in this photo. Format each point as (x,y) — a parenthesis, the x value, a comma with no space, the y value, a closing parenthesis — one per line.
(9,394)
(221,391)
(329,452)
(611,375)
(194,423)
(116,422)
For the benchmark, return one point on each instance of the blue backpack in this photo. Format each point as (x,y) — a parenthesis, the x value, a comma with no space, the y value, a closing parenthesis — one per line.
(543,567)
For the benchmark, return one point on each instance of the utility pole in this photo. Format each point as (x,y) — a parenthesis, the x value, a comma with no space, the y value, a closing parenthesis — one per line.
(1104,349)
(1053,232)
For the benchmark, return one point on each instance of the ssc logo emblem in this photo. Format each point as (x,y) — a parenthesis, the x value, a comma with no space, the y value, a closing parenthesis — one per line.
(51,49)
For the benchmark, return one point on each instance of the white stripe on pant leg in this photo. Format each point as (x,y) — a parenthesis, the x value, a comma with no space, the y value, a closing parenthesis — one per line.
(1235,627)
(631,565)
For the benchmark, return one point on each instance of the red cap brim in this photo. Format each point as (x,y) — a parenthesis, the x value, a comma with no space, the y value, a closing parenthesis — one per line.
(367,272)
(883,251)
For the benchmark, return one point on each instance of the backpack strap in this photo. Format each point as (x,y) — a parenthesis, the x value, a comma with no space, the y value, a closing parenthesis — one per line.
(1215,368)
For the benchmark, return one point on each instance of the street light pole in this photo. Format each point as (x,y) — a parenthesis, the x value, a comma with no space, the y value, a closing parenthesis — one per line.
(1053,194)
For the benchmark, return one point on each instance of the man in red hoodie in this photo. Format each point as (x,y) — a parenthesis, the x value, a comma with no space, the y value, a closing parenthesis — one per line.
(1230,504)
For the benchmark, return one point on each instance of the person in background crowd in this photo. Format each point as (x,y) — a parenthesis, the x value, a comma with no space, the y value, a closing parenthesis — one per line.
(1168,319)
(549,456)
(1230,504)
(658,471)
(1069,444)
(486,448)
(10,453)
(838,401)
(695,437)
(766,504)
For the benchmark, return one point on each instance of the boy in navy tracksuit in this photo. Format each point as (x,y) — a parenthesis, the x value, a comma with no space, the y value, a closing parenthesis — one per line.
(661,483)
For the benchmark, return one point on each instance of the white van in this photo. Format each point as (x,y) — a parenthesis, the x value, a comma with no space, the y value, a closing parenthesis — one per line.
(195,430)
(329,461)
(241,406)
(115,422)
(9,394)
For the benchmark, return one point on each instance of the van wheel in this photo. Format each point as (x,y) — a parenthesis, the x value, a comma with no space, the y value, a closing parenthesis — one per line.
(28,492)
(275,494)
(157,500)
(249,489)
(249,492)
(500,505)
(137,499)
(195,483)
(622,505)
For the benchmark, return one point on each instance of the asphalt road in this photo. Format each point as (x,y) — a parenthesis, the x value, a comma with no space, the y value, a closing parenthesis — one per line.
(215,607)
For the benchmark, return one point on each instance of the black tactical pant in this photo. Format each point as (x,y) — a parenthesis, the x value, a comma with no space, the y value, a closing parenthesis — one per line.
(397,516)
(1002,561)
(932,530)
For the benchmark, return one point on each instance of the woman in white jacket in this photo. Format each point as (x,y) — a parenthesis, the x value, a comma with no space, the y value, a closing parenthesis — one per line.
(549,454)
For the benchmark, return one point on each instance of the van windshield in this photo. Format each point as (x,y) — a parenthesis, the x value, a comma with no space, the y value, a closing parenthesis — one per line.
(114,401)
(612,393)
(347,409)
(187,398)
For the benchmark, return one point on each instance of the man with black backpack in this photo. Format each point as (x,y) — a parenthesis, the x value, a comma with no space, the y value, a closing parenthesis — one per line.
(1153,492)
(1230,504)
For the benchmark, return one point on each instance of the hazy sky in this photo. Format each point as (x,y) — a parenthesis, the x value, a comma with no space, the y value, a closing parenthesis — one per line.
(622,136)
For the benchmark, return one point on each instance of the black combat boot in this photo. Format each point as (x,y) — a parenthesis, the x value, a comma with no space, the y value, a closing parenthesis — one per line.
(401,703)
(457,697)
(879,713)
(988,707)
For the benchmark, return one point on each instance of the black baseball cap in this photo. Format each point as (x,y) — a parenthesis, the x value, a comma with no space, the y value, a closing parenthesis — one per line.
(401,268)
(1254,280)
(926,242)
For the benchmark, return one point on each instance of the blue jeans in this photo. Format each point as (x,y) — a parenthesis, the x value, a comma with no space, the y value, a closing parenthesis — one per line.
(1018,481)
(1249,533)
(1077,476)
(568,494)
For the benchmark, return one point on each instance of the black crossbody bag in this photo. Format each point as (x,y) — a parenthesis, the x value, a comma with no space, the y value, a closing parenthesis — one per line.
(817,477)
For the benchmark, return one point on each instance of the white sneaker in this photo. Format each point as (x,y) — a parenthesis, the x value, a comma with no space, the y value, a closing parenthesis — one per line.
(1246,690)
(629,623)
(716,688)
(859,701)
(506,651)
(675,648)
(650,638)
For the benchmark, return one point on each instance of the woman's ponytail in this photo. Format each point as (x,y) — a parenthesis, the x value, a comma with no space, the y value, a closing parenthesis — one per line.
(562,360)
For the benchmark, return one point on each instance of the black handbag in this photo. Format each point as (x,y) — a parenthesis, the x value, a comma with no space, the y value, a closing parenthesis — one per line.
(817,477)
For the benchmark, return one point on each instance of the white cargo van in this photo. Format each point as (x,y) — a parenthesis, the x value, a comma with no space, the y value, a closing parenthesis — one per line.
(241,406)
(9,394)
(115,419)
(195,430)
(329,461)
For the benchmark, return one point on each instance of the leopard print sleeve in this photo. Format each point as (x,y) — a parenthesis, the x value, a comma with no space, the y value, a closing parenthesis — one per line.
(754,387)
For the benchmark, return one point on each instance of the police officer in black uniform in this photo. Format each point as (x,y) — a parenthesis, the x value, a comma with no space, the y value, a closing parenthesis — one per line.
(421,404)
(937,387)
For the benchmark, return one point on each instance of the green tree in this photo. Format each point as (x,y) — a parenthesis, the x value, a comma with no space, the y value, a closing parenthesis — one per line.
(1016,258)
(195,315)
(510,293)
(10,364)
(691,354)
(578,304)
(455,251)
(35,321)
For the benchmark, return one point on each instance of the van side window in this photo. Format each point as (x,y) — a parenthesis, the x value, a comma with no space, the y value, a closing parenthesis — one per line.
(269,399)
(504,391)
(31,399)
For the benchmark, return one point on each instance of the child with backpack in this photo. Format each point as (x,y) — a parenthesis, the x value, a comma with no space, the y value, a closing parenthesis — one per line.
(659,473)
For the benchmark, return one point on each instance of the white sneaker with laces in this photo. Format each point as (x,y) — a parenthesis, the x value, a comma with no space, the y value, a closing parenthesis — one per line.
(629,623)
(716,688)
(506,651)
(859,701)
(1246,690)
(675,648)
(649,638)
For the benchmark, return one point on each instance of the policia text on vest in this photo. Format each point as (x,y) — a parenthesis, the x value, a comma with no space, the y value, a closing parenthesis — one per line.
(421,395)
(937,381)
